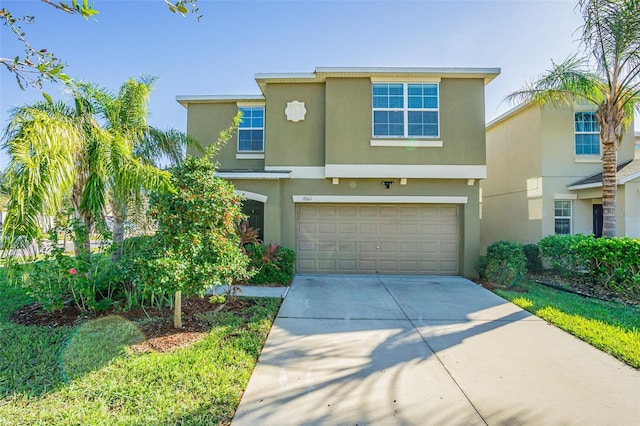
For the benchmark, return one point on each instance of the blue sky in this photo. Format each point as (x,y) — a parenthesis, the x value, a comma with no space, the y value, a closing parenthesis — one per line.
(236,39)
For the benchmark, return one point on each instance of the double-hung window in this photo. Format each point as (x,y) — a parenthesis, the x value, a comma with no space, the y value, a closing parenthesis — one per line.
(587,133)
(404,110)
(251,130)
(562,217)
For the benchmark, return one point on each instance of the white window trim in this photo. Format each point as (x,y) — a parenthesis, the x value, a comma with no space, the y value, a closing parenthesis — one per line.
(406,143)
(405,110)
(238,150)
(570,217)
(590,157)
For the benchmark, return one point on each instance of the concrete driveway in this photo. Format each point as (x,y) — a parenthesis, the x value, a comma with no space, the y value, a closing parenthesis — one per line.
(427,350)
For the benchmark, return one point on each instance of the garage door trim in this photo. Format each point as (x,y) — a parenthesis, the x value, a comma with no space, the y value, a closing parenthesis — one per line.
(378,199)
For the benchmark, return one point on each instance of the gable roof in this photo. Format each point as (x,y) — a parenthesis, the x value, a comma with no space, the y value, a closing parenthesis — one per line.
(627,171)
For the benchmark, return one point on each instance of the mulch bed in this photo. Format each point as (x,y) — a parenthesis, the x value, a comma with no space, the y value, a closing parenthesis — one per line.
(160,334)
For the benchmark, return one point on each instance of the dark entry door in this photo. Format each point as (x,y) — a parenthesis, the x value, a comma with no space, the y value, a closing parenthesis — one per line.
(597,220)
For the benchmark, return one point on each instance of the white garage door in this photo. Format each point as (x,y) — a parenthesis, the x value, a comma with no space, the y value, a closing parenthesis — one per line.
(377,238)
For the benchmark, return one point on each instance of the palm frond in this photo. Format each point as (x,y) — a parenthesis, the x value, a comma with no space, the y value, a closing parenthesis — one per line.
(562,84)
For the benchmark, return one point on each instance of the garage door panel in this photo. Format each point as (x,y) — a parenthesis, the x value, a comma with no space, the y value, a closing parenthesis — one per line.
(369,238)
(367,246)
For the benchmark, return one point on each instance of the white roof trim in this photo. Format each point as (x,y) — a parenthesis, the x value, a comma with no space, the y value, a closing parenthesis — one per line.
(585,186)
(380,199)
(513,111)
(300,172)
(259,175)
(629,178)
(252,196)
(201,99)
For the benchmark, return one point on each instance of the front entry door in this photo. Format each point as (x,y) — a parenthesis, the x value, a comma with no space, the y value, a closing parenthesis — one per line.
(597,220)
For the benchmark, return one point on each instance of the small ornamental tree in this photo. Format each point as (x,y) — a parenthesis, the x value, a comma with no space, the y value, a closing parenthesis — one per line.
(197,245)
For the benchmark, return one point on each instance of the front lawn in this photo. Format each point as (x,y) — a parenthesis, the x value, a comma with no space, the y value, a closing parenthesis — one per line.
(609,326)
(91,374)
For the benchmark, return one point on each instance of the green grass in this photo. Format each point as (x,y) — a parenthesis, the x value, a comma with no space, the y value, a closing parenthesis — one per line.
(87,375)
(609,326)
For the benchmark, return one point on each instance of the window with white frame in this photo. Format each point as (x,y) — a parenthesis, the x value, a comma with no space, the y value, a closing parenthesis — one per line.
(587,133)
(562,217)
(251,129)
(402,110)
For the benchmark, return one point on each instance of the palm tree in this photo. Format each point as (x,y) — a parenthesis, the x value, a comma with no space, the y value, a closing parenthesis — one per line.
(608,77)
(140,147)
(52,149)
(89,151)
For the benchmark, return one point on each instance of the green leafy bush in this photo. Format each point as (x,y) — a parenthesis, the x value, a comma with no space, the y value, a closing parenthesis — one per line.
(86,281)
(506,263)
(196,245)
(534,261)
(556,253)
(611,263)
(279,270)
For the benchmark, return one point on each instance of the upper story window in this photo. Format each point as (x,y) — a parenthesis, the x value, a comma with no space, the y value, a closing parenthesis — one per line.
(402,110)
(251,130)
(587,133)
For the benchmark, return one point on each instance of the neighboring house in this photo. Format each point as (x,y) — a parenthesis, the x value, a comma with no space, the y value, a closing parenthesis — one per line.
(544,176)
(360,170)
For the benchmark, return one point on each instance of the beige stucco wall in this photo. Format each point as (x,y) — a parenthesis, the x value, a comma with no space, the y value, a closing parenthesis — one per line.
(632,208)
(205,121)
(349,126)
(280,209)
(512,193)
(530,162)
(295,144)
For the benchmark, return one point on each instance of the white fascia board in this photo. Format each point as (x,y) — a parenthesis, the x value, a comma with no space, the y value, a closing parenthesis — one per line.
(513,111)
(584,186)
(487,74)
(380,199)
(252,195)
(185,100)
(629,178)
(406,171)
(301,172)
(261,175)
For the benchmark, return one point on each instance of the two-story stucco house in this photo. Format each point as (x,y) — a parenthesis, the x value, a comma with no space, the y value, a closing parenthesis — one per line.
(544,176)
(360,170)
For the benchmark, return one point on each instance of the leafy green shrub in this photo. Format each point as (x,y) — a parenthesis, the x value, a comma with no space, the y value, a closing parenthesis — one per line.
(534,261)
(196,245)
(506,263)
(556,254)
(611,263)
(57,278)
(280,270)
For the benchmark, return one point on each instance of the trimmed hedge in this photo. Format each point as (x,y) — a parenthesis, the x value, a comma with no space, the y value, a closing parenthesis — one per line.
(610,263)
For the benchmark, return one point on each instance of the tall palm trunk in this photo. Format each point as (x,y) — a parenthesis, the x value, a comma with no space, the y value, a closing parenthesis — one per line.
(609,188)
(83,222)
(118,229)
(610,135)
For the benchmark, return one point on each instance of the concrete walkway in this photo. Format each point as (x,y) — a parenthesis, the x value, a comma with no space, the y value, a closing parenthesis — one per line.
(427,350)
